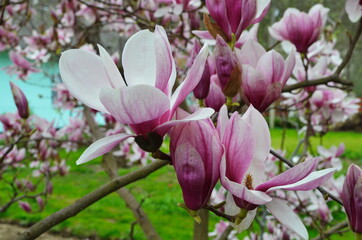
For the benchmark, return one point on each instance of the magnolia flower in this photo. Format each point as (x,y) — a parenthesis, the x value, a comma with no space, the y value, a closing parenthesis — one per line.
(233,17)
(300,28)
(354,9)
(143,100)
(352,197)
(264,74)
(246,141)
(196,153)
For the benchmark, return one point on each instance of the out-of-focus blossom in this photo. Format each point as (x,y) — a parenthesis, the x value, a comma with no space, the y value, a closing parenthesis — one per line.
(25,206)
(330,156)
(264,74)
(63,99)
(352,197)
(146,71)
(233,17)
(20,100)
(196,152)
(354,9)
(21,66)
(300,28)
(220,227)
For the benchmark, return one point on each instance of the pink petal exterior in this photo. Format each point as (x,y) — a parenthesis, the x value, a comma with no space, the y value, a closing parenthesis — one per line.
(216,98)
(196,152)
(234,16)
(300,28)
(352,197)
(102,146)
(263,74)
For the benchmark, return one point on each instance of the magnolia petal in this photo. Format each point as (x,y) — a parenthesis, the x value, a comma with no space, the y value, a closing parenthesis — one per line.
(190,174)
(290,176)
(289,66)
(203,34)
(222,120)
(261,133)
(165,65)
(139,59)
(192,79)
(114,76)
(102,146)
(250,53)
(271,65)
(262,7)
(133,105)
(200,114)
(354,10)
(287,217)
(83,73)
(312,181)
(231,209)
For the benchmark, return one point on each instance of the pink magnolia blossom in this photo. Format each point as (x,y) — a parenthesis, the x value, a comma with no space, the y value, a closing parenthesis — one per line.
(196,152)
(20,100)
(242,171)
(354,9)
(143,100)
(300,28)
(234,16)
(21,66)
(216,98)
(352,197)
(264,74)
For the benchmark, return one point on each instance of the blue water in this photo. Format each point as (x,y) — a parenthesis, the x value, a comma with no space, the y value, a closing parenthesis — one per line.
(38,90)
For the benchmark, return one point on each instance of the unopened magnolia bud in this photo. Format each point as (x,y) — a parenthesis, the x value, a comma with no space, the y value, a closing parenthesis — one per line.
(40,202)
(20,101)
(25,206)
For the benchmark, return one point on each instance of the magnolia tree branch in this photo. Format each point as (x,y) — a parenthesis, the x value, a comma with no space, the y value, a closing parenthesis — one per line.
(335,76)
(322,190)
(41,227)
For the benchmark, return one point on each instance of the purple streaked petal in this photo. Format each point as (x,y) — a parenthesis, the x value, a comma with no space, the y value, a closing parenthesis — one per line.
(165,65)
(102,146)
(139,59)
(192,79)
(190,174)
(287,217)
(133,105)
(83,73)
(289,66)
(200,114)
(222,120)
(312,181)
(262,7)
(114,76)
(203,34)
(290,176)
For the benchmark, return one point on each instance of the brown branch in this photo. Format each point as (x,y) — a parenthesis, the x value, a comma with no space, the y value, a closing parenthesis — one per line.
(335,76)
(41,227)
(320,189)
(220,214)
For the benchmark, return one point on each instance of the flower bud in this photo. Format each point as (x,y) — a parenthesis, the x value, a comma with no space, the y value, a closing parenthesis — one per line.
(196,153)
(25,206)
(352,197)
(20,101)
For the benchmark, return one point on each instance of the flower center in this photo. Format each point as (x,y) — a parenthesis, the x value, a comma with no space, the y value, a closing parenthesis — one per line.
(249,181)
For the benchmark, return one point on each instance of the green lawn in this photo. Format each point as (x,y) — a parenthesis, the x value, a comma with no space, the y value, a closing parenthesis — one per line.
(110,219)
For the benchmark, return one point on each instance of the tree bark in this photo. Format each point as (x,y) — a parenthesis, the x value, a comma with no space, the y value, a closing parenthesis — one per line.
(201,230)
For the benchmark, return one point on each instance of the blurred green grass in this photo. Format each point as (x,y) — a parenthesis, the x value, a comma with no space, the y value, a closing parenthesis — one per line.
(109,218)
